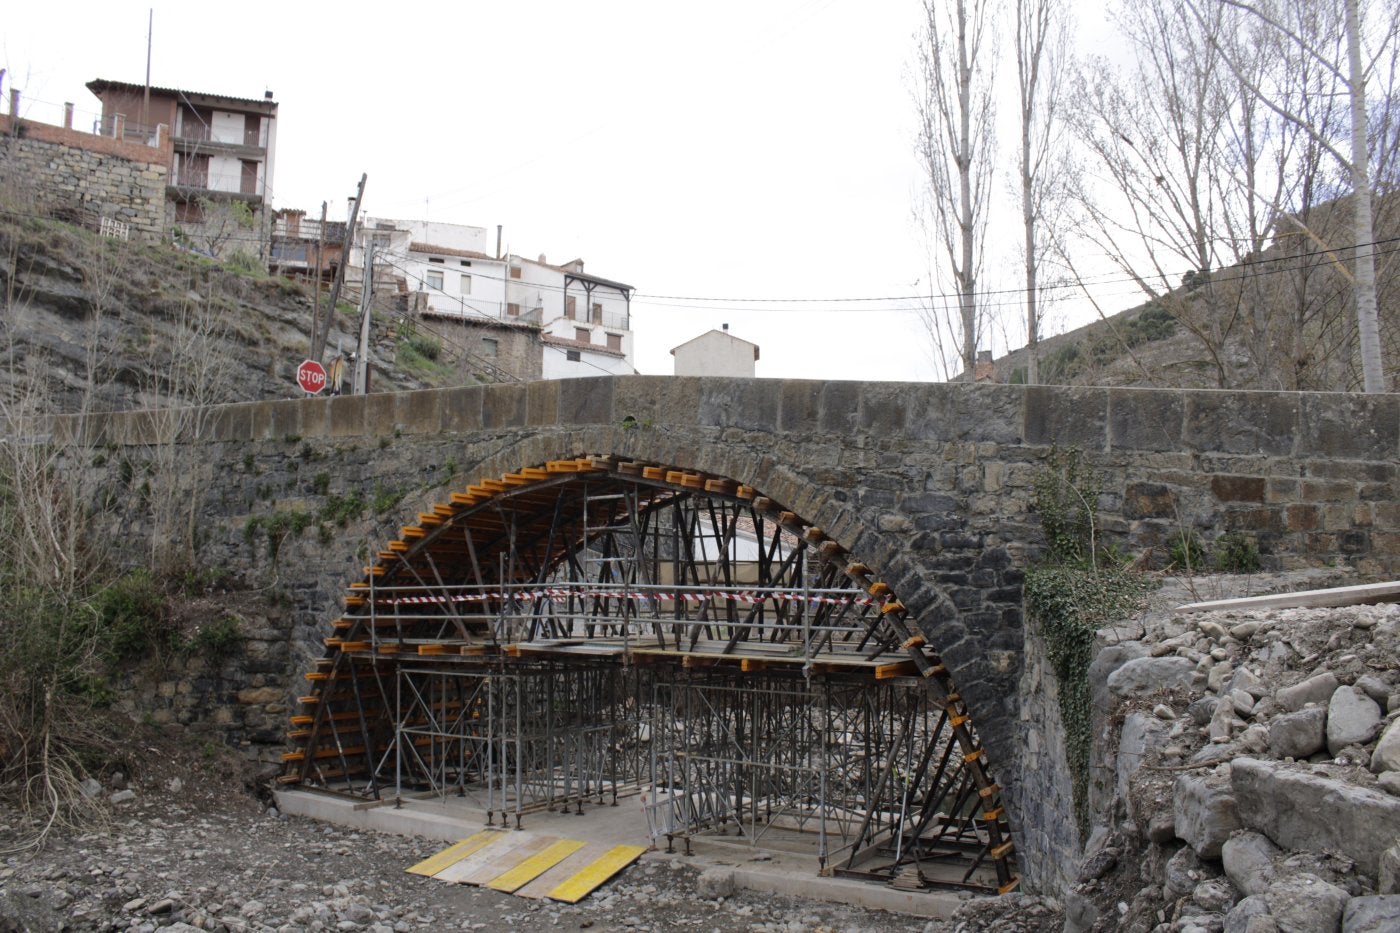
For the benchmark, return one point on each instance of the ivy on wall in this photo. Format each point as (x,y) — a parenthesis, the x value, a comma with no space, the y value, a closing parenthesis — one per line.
(1070,595)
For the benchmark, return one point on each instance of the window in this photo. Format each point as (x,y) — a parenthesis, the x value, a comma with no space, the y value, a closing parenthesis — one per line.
(573,356)
(513,309)
(491,347)
(597,313)
(614,341)
(189,212)
(582,335)
(515,272)
(437,260)
(570,304)
(433,279)
(466,284)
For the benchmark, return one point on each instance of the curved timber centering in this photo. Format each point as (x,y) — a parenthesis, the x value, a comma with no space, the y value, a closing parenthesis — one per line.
(598,627)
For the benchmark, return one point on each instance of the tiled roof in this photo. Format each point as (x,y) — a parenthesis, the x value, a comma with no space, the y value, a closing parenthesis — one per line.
(449,251)
(582,345)
(98,85)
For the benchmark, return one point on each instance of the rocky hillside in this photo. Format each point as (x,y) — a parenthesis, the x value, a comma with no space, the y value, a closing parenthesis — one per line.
(98,324)
(1252,757)
(1282,318)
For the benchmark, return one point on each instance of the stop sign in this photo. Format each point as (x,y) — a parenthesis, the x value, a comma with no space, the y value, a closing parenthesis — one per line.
(311,376)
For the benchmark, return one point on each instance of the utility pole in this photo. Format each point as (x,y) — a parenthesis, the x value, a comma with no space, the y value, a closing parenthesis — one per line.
(323,334)
(316,296)
(146,97)
(360,383)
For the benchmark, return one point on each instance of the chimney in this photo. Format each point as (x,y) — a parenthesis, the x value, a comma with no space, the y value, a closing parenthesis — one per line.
(726,327)
(267,95)
(985,370)
(498,241)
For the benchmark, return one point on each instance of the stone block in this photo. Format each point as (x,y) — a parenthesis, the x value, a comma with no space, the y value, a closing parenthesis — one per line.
(460,409)
(580,401)
(883,408)
(1374,914)
(1144,419)
(1204,812)
(1301,810)
(1306,904)
(1145,676)
(1352,719)
(800,401)
(421,412)
(1300,734)
(1248,859)
(503,406)
(1073,417)
(1387,754)
(1388,875)
(1349,426)
(749,404)
(1317,689)
(957,412)
(348,415)
(840,407)
(1241,422)
(1238,488)
(1148,500)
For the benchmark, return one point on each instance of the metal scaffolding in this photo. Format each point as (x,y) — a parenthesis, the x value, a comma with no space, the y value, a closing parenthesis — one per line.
(595,628)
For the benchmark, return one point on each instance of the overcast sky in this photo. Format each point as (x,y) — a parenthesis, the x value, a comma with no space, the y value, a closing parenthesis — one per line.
(744,151)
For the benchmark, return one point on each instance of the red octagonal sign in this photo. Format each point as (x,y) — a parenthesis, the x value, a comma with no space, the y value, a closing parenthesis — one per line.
(311,376)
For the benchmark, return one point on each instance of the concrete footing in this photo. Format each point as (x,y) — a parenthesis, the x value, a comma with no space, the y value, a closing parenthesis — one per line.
(761,870)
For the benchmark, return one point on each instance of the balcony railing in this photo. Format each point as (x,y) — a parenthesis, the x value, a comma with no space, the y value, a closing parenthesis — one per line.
(217,181)
(193,131)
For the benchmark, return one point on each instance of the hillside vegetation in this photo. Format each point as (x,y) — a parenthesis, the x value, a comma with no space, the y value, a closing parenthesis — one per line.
(92,323)
(1283,320)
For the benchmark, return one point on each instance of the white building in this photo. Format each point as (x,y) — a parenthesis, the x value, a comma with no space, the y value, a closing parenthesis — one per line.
(716,353)
(587,320)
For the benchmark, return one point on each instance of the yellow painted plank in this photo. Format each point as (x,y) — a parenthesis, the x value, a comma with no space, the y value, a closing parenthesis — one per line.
(534,866)
(454,853)
(492,862)
(582,884)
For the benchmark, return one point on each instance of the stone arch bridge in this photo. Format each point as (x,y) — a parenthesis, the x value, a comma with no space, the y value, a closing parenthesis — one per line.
(916,498)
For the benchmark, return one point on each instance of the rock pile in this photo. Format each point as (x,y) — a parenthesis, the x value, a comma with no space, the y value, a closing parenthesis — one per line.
(1256,776)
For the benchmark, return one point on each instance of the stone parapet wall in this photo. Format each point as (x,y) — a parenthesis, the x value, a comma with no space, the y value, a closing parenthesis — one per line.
(65,169)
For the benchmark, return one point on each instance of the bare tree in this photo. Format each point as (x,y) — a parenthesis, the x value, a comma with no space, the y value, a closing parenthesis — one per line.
(955,109)
(1293,21)
(1041,57)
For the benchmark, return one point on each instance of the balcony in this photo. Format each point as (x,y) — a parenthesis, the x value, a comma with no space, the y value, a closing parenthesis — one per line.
(201,181)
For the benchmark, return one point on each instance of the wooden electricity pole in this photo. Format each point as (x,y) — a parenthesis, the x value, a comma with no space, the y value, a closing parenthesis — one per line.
(323,333)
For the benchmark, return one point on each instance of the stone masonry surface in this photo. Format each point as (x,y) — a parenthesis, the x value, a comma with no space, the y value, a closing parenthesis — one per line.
(930,484)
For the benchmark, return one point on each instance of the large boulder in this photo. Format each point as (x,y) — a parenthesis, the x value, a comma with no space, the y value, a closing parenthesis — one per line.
(1248,858)
(1387,754)
(1105,663)
(1352,719)
(1146,676)
(1388,877)
(1203,809)
(1380,914)
(1300,734)
(1250,915)
(1141,733)
(1317,689)
(1301,810)
(1306,904)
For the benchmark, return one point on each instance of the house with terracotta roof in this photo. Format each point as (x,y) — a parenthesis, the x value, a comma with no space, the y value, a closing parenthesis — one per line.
(221,171)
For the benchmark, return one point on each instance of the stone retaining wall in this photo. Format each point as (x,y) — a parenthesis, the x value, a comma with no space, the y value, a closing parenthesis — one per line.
(66,169)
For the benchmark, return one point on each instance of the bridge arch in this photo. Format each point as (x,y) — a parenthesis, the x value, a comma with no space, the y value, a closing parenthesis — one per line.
(598,625)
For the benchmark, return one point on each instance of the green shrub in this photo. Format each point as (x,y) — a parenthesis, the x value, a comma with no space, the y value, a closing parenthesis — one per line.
(1236,552)
(1066,493)
(1186,551)
(133,615)
(218,640)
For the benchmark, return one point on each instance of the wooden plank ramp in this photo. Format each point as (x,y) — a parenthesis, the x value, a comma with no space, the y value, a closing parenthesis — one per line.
(529,864)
